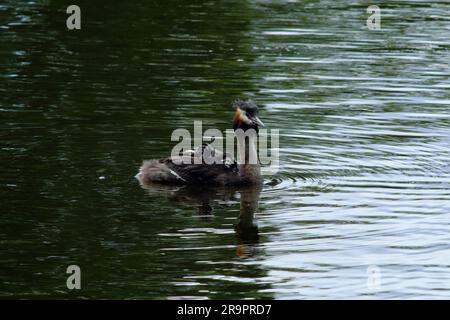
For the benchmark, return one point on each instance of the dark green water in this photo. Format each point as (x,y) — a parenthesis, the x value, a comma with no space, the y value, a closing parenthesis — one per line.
(365,134)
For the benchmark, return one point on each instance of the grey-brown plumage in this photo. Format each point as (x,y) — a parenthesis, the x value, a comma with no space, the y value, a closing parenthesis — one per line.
(192,167)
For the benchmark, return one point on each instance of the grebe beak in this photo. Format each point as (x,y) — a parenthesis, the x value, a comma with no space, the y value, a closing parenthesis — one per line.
(257,121)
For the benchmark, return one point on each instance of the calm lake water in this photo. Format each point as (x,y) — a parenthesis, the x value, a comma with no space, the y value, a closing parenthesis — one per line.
(360,207)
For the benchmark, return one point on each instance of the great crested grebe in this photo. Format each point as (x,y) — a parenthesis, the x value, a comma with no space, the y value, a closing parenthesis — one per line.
(225,170)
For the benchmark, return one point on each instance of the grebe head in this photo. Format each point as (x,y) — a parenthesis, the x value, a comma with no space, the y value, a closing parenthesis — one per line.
(246,116)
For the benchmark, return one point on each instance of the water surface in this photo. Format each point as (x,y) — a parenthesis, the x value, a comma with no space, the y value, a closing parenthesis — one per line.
(364,175)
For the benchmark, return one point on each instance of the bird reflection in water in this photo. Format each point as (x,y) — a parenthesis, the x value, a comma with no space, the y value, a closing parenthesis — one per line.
(205,200)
